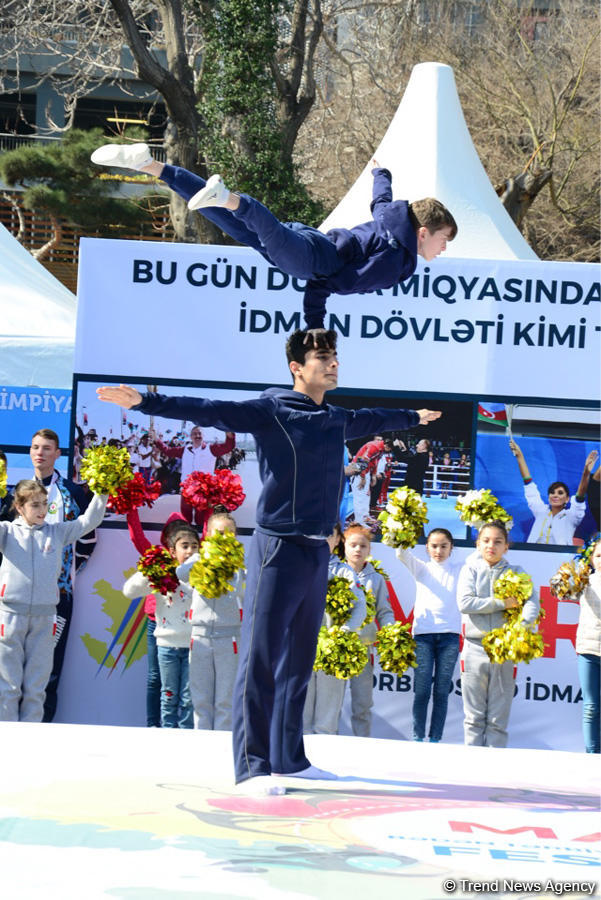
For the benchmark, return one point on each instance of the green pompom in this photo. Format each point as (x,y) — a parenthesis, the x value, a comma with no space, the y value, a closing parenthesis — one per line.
(221,556)
(513,642)
(476,508)
(339,653)
(340,599)
(106,469)
(396,648)
(403,519)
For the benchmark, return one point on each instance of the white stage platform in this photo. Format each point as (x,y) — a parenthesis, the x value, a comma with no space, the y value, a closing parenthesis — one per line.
(91,812)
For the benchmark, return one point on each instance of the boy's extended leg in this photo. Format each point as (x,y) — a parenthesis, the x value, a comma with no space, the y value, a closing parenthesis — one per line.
(186,184)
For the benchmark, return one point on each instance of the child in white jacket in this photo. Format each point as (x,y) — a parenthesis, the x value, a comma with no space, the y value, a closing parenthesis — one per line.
(436,629)
(172,631)
(33,557)
(214,641)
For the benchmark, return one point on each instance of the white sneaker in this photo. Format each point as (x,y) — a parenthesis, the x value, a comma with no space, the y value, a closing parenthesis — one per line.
(214,193)
(261,786)
(122,156)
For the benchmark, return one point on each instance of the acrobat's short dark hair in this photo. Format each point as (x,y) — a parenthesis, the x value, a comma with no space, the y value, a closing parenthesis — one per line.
(302,340)
(433,215)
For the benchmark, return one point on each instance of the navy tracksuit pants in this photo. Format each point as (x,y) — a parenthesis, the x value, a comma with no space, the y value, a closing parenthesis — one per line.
(297,249)
(283,608)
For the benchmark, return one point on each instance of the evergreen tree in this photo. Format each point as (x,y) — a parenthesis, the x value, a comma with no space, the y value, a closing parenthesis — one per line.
(59,180)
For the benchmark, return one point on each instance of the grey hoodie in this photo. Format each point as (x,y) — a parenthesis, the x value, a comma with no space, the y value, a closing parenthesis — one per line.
(33,556)
(215,616)
(481,610)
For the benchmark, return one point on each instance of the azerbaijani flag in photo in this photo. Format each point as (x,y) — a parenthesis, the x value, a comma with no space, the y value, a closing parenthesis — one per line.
(494,413)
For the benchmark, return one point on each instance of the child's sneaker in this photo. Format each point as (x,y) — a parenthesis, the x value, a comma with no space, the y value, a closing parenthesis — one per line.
(122,156)
(214,193)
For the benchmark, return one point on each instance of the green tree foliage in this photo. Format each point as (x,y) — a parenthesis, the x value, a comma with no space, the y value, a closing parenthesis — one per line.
(245,138)
(58,179)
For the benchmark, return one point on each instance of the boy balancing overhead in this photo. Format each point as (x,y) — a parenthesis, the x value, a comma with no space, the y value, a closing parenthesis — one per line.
(369,257)
(300,441)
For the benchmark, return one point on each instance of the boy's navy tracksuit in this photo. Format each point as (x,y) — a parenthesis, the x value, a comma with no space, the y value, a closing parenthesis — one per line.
(373,256)
(300,456)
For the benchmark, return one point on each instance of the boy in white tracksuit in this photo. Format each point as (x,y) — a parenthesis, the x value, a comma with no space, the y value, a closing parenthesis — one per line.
(487,687)
(32,561)
(216,624)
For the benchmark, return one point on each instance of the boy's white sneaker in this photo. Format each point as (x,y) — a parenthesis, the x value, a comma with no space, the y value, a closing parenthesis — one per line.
(261,786)
(122,156)
(214,193)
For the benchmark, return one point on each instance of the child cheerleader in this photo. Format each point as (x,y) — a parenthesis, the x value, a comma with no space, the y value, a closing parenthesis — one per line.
(325,693)
(588,648)
(436,629)
(357,548)
(172,630)
(487,687)
(215,640)
(33,557)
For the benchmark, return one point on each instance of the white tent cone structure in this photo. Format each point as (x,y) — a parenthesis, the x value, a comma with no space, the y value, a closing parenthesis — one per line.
(37,326)
(430,153)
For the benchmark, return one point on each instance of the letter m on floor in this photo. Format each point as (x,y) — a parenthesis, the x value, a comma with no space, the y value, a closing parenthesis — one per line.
(467,828)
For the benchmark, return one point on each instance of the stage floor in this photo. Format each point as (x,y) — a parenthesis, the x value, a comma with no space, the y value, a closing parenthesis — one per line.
(105,812)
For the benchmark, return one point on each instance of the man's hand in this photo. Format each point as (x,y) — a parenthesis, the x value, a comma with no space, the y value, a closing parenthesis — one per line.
(428,415)
(123,395)
(511,602)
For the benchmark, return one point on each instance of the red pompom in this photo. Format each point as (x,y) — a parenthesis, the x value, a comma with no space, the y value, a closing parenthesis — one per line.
(206,490)
(159,567)
(133,494)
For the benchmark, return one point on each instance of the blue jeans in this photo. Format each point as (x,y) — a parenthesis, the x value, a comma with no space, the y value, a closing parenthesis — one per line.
(435,653)
(176,706)
(153,679)
(588,673)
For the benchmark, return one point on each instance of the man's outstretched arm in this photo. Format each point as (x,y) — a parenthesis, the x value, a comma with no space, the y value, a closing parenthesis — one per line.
(227,415)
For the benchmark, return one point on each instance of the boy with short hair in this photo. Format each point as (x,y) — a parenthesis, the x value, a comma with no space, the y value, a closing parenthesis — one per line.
(369,257)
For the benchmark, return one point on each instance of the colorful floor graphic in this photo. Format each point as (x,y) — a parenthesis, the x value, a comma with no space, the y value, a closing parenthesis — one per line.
(143,814)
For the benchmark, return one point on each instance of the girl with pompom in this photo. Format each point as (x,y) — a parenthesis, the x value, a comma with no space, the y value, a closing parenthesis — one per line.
(33,559)
(172,629)
(325,693)
(436,629)
(357,549)
(487,687)
(216,624)
(588,648)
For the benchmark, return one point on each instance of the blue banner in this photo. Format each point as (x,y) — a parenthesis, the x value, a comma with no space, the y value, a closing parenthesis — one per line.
(24,410)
